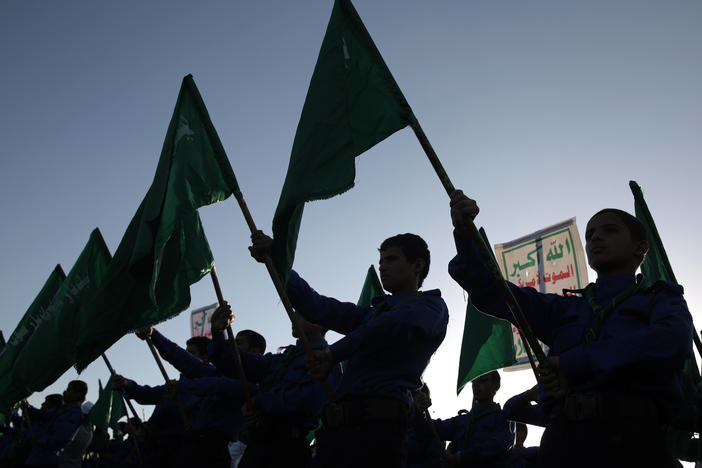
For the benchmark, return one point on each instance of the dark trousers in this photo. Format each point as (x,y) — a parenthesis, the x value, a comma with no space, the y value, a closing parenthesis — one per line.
(370,444)
(620,442)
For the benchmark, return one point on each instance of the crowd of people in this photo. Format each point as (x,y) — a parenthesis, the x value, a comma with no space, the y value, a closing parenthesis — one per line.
(607,394)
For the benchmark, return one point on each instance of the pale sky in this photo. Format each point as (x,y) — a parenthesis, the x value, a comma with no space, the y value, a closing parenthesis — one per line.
(540,110)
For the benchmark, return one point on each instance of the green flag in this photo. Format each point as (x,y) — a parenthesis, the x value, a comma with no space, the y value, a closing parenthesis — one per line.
(487,343)
(2,342)
(164,249)
(25,329)
(371,288)
(51,350)
(352,104)
(656,266)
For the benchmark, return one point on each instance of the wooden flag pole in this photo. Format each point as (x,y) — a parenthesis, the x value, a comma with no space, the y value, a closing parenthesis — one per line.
(235,348)
(482,248)
(432,426)
(281,292)
(181,410)
(113,373)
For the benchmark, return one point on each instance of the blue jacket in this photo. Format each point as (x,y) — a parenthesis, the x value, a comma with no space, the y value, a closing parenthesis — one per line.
(422,447)
(641,346)
(284,388)
(482,435)
(53,429)
(187,364)
(208,407)
(519,408)
(386,352)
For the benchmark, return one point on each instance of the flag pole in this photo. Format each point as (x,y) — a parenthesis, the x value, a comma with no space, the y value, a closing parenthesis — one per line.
(281,291)
(181,410)
(121,391)
(235,348)
(473,233)
(432,426)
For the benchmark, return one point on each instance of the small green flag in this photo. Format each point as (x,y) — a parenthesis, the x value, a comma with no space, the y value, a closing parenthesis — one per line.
(487,343)
(9,393)
(352,104)
(108,409)
(371,288)
(164,249)
(51,350)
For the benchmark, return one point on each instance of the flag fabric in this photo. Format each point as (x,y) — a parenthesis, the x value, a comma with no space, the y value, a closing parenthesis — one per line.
(2,342)
(487,343)
(107,411)
(164,249)
(35,314)
(371,288)
(656,266)
(352,103)
(51,349)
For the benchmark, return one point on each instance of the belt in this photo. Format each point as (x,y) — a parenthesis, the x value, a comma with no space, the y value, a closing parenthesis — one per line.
(356,411)
(584,407)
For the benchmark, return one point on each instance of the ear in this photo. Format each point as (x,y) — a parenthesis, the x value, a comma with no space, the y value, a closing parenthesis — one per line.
(419,265)
(641,248)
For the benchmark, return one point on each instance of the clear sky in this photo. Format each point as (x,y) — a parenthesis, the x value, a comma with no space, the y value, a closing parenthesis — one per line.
(540,110)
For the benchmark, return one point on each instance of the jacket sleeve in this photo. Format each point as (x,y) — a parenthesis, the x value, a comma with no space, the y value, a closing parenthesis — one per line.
(662,345)
(426,316)
(467,268)
(519,408)
(144,394)
(186,363)
(342,317)
(219,388)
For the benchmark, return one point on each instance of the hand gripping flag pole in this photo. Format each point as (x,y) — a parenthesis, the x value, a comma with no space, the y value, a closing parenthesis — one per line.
(472,231)
(281,291)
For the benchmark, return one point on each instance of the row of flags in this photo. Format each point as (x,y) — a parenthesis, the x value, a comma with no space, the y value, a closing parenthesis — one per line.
(353,103)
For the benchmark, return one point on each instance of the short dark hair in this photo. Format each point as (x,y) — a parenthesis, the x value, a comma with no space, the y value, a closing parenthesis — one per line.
(54,400)
(637,230)
(413,247)
(254,339)
(79,387)
(200,343)
(495,377)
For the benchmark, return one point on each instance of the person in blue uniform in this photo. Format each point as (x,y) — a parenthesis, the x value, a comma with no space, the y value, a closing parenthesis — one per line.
(422,447)
(481,436)
(521,456)
(611,381)
(386,347)
(287,402)
(213,417)
(53,428)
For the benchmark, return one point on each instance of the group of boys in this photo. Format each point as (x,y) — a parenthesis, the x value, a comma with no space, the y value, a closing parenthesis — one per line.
(605,394)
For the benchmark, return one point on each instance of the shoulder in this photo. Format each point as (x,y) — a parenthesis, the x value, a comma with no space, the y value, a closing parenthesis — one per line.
(666,288)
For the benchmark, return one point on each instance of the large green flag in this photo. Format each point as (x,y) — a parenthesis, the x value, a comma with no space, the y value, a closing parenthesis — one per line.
(352,104)
(51,350)
(25,328)
(371,288)
(487,343)
(656,266)
(164,249)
